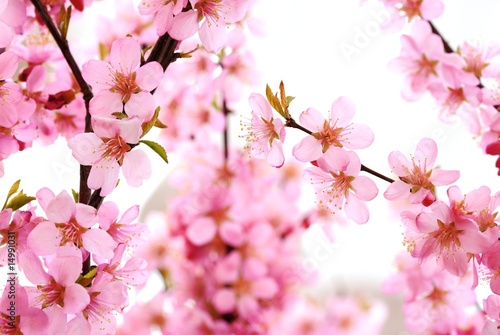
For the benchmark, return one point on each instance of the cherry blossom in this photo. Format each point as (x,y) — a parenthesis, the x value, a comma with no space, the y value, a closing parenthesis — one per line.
(122,85)
(342,189)
(333,133)
(265,134)
(418,179)
(109,149)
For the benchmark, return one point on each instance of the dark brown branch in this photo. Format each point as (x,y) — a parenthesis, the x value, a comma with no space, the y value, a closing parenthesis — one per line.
(225,134)
(164,51)
(84,192)
(293,124)
(447,47)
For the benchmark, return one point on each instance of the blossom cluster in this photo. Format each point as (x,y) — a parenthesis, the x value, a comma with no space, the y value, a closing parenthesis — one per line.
(464,82)
(57,294)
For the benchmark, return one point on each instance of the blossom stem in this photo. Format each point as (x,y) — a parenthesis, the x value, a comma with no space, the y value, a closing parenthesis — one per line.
(225,135)
(293,124)
(447,47)
(84,192)
(164,51)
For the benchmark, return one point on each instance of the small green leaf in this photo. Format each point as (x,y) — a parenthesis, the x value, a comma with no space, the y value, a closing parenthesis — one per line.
(159,124)
(274,101)
(146,126)
(156,148)
(119,115)
(13,190)
(19,201)
(86,279)
(289,100)
(76,195)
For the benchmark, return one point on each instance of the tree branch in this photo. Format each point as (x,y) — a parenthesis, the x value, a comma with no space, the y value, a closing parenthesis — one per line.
(84,192)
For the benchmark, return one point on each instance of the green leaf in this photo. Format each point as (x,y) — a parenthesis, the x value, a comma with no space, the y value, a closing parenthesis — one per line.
(146,126)
(119,115)
(13,190)
(274,101)
(19,201)
(76,195)
(156,148)
(86,279)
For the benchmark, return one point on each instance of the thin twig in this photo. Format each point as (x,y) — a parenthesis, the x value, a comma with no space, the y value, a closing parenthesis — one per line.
(293,124)
(84,191)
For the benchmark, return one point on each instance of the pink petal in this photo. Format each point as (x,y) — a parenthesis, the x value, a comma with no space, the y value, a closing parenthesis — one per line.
(342,112)
(67,265)
(164,19)
(356,210)
(142,105)
(307,150)
(44,239)
(98,74)
(426,153)
(107,213)
(224,300)
(201,231)
(6,35)
(444,177)
(365,188)
(399,164)
(312,119)
(260,106)
(264,288)
(136,167)
(61,209)
(359,136)
(184,25)
(254,268)
(105,103)
(33,269)
(231,234)
(8,64)
(397,190)
(149,75)
(104,177)
(213,37)
(98,242)
(86,216)
(275,157)
(85,148)
(76,298)
(335,159)
(125,55)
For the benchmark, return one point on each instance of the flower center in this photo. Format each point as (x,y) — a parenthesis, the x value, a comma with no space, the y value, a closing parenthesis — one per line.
(71,232)
(115,149)
(210,10)
(411,8)
(418,178)
(50,294)
(426,66)
(329,136)
(447,235)
(125,85)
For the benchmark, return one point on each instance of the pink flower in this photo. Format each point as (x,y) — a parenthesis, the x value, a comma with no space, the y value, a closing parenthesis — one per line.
(447,238)
(265,134)
(108,149)
(57,286)
(417,178)
(68,223)
(209,18)
(408,10)
(336,132)
(420,60)
(107,296)
(342,189)
(12,16)
(122,85)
